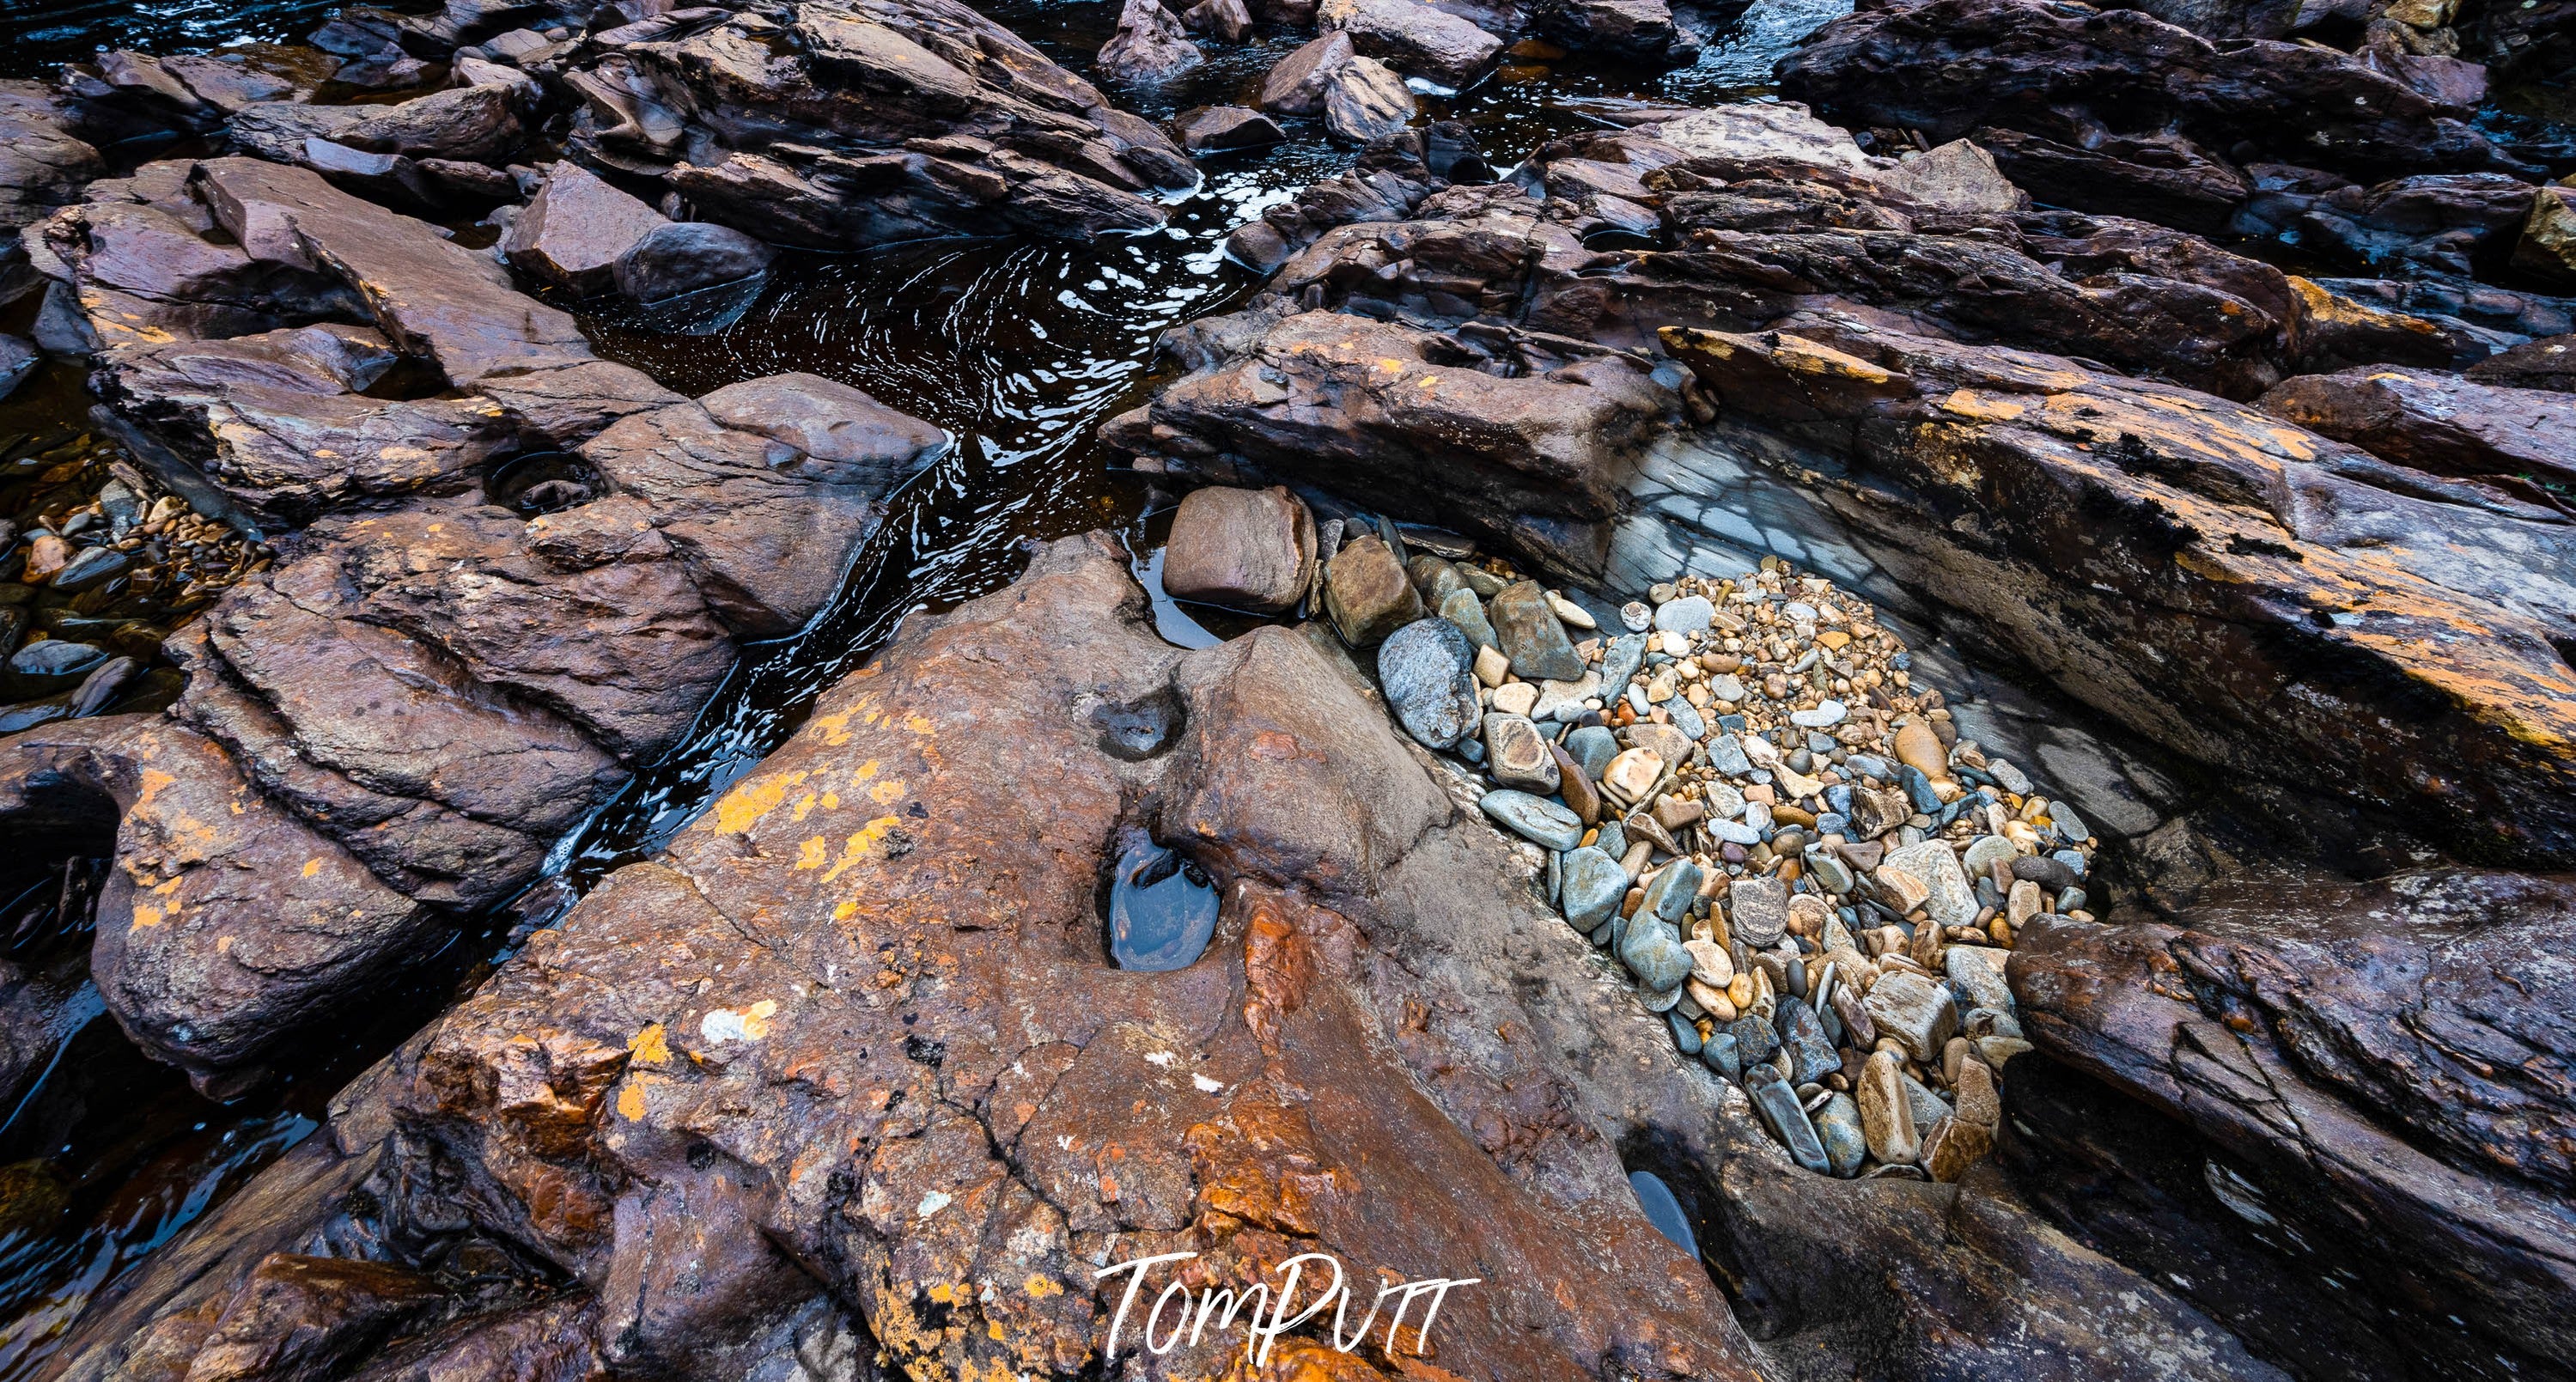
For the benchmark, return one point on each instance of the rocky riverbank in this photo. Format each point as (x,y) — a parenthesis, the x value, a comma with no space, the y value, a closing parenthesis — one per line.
(2201,380)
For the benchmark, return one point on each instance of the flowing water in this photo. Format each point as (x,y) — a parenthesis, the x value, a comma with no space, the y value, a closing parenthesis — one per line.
(1020,349)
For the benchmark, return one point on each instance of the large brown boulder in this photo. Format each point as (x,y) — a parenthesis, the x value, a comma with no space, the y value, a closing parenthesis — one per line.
(1248,549)
(852,1041)
(2375,1076)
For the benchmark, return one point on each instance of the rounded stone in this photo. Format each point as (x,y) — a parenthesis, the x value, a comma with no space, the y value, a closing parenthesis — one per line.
(1428,671)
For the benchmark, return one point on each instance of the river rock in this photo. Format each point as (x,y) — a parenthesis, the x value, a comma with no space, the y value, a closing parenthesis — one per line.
(1365,101)
(1245,549)
(1633,773)
(1414,38)
(1534,818)
(1367,592)
(1958,176)
(1593,886)
(1689,614)
(1149,47)
(1803,1037)
(1838,1128)
(2547,248)
(2543,364)
(1916,1011)
(1463,609)
(1951,901)
(843,436)
(1427,671)
(471,123)
(572,234)
(1297,85)
(1886,1113)
(1225,129)
(1758,909)
(1778,1105)
(1518,757)
(687,257)
(1654,954)
(1531,636)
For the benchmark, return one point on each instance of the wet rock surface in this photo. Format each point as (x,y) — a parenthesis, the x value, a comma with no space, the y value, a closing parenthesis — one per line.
(2369,1068)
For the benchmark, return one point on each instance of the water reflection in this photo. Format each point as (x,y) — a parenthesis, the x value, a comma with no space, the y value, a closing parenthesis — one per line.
(1162,910)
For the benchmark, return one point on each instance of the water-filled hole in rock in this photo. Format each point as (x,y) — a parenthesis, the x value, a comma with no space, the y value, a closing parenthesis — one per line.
(542,482)
(1664,1209)
(1162,908)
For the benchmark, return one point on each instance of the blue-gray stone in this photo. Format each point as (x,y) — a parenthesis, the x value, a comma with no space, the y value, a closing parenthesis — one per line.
(1465,611)
(1821,743)
(1653,953)
(1620,660)
(1831,823)
(1871,765)
(1555,879)
(1733,832)
(1613,840)
(1831,873)
(1593,885)
(1721,1054)
(1689,614)
(1838,1129)
(1754,1039)
(2068,824)
(1811,1056)
(1429,672)
(1669,896)
(1839,797)
(1685,1033)
(1637,698)
(1826,715)
(1726,755)
(1778,1104)
(1593,746)
(1531,636)
(2073,859)
(1732,724)
(1686,718)
(1919,789)
(1535,818)
(1607,936)
(2071,899)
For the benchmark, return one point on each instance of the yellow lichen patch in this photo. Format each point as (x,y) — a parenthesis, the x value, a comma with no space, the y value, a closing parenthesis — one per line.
(145,914)
(1042,1286)
(630,1101)
(885,793)
(864,772)
(831,801)
(752,799)
(153,781)
(651,1046)
(856,848)
(1968,403)
(919,725)
(811,853)
(845,911)
(804,807)
(312,867)
(834,729)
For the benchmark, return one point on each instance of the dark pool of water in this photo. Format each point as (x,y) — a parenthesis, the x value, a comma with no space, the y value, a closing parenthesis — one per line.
(1162,909)
(1663,1209)
(1019,349)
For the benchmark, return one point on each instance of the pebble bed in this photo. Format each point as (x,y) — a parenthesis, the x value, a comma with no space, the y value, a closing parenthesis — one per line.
(1745,799)
(96,567)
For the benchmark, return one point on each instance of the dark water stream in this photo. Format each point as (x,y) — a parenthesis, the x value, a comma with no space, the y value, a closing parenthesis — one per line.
(1019,349)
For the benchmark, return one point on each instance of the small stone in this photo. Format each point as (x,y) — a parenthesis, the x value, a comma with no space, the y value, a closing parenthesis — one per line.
(1754,1038)
(1920,749)
(1838,1127)
(1690,614)
(1633,774)
(1999,1049)
(1979,1102)
(1830,873)
(1563,700)
(1581,797)
(1726,754)
(1726,688)
(1758,909)
(1978,972)
(1710,964)
(1685,1033)
(2013,779)
(1953,1147)
(1368,593)
(1620,659)
(46,554)
(1570,613)
(2022,903)
(1654,954)
(2068,823)
(1491,666)
(93,567)
(1593,746)
(1685,718)
(1462,608)
(1983,853)
(1531,635)
(1721,1054)
(1516,698)
(1927,1107)
(1591,885)
(1517,756)
(1811,1056)
(1637,616)
(2046,871)
(1534,818)
(1668,897)
(1886,1116)
(1948,897)
(1778,1105)
(1808,913)
(1902,890)
(1916,1011)
(1427,670)
(1824,716)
